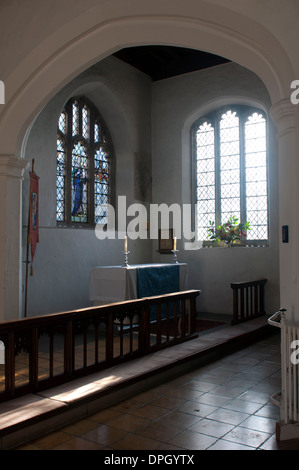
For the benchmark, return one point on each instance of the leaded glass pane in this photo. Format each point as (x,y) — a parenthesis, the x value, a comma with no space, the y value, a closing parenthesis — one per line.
(75,121)
(60,181)
(256,176)
(101,183)
(98,133)
(85,122)
(205,162)
(80,167)
(229,166)
(62,122)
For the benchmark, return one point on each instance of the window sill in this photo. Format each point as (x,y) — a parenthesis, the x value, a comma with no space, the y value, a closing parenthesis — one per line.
(247,244)
(75,226)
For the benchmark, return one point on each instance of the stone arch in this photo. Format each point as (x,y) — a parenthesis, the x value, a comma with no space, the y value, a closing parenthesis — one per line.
(250,45)
(68,51)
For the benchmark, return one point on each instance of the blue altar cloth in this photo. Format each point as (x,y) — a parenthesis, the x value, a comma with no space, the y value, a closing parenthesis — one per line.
(152,281)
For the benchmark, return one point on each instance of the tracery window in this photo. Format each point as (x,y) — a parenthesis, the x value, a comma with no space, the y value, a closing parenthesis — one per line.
(230,166)
(84,165)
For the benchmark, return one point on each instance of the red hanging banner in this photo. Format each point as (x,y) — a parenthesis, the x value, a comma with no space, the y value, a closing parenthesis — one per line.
(33,229)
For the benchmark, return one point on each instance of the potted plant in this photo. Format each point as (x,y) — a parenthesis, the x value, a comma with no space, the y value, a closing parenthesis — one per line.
(230,233)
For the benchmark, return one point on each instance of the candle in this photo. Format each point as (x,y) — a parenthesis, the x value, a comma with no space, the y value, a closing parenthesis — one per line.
(174,243)
(126,243)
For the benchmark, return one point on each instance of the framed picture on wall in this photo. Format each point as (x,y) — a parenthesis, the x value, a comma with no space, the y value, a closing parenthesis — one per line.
(165,240)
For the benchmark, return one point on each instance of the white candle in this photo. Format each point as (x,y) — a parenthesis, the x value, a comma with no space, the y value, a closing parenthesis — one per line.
(126,243)
(174,243)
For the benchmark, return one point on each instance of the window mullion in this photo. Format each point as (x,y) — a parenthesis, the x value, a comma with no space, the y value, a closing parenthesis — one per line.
(217,174)
(69,147)
(91,198)
(194,196)
(242,170)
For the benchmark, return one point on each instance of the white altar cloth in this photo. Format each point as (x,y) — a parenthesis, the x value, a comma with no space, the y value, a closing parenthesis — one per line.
(109,284)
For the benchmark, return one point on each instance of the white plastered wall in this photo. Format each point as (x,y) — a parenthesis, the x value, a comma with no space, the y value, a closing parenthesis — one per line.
(65,256)
(177,103)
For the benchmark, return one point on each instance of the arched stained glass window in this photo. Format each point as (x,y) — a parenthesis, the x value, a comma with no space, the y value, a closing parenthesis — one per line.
(230,158)
(83,167)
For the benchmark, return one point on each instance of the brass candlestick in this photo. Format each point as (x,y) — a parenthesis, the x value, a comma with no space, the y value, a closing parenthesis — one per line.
(126,258)
(175,257)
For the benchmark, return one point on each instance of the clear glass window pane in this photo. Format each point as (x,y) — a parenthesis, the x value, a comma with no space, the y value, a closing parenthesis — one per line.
(75,121)
(256,176)
(205,162)
(97,132)
(62,123)
(229,166)
(85,122)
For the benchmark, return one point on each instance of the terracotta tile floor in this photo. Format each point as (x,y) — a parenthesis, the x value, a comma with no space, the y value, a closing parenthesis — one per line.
(221,406)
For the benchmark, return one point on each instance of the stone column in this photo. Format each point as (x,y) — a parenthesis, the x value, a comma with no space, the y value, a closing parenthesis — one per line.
(11,173)
(285,115)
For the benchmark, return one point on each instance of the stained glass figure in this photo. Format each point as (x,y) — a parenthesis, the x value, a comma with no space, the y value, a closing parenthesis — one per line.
(78,184)
(80,166)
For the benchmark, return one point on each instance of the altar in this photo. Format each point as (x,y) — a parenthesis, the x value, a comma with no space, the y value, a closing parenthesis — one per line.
(109,284)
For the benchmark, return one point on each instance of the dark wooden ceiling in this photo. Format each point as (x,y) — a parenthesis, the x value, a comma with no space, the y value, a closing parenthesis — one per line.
(160,62)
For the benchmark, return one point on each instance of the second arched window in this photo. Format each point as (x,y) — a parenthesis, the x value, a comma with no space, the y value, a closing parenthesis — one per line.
(230,170)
